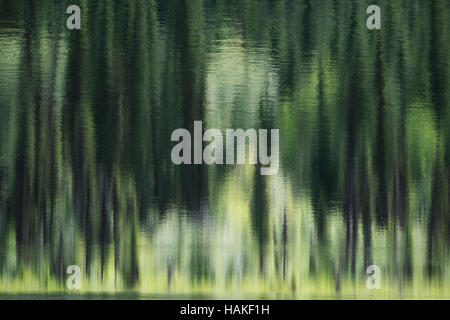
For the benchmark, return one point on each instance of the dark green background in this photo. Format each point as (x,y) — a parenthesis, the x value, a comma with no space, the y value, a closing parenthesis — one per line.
(85,170)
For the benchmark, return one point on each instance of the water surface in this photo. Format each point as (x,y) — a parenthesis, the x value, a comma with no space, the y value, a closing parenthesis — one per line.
(86,176)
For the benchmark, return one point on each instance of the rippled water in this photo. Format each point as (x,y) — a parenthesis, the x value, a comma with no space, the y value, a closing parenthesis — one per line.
(86,176)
